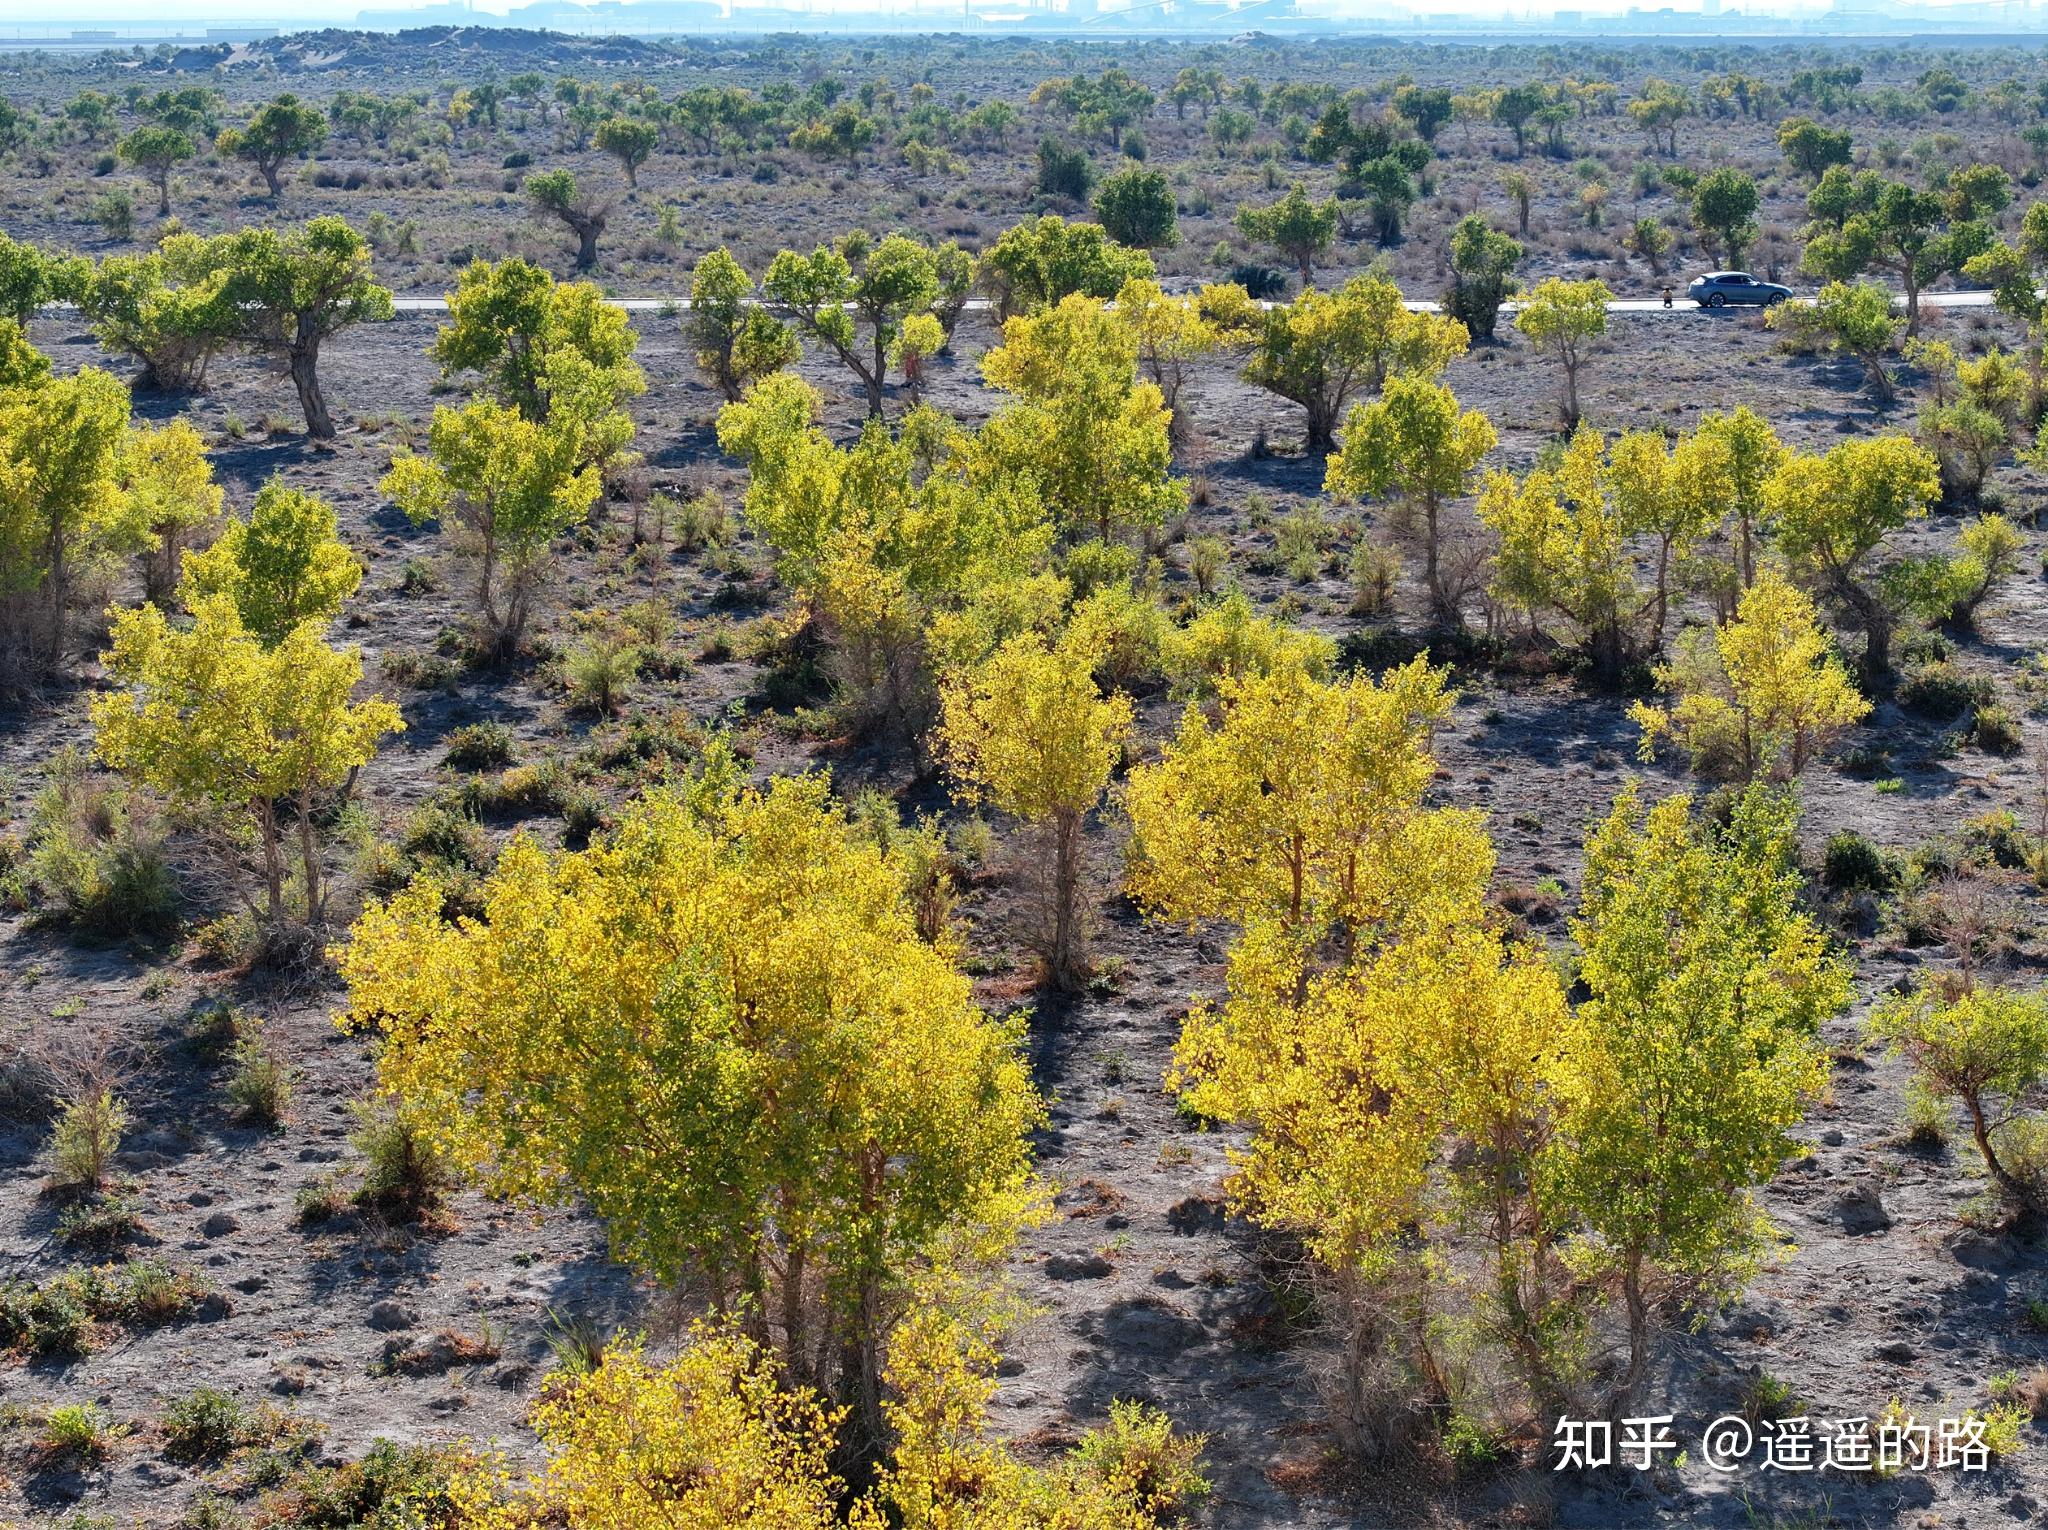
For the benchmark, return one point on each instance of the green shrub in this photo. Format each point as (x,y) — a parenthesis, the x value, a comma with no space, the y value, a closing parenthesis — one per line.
(1139,1452)
(1996,839)
(1941,692)
(86,1138)
(404,1175)
(1851,861)
(479,746)
(233,940)
(144,1293)
(79,1431)
(100,1224)
(1997,730)
(1470,1444)
(702,522)
(583,816)
(260,1088)
(393,1487)
(96,856)
(320,1202)
(599,674)
(203,1426)
(1300,540)
(50,1321)
(436,837)
(213,1030)
(114,212)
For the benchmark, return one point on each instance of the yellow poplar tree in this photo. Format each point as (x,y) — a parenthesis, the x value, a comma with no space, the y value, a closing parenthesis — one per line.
(1986,1049)
(1395,1102)
(884,540)
(1029,731)
(1299,804)
(1724,467)
(1092,435)
(1833,511)
(283,566)
(710,1441)
(1759,696)
(214,716)
(721,1029)
(1562,319)
(1173,333)
(63,508)
(170,480)
(1563,548)
(1412,443)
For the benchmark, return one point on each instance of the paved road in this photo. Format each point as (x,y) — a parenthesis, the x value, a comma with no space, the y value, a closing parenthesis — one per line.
(976,305)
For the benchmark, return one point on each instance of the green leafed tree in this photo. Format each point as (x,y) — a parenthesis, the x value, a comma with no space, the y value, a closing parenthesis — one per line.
(737,342)
(584,213)
(291,290)
(1295,226)
(504,488)
(155,151)
(277,133)
(1037,262)
(628,140)
(534,341)
(284,566)
(1136,207)
(1706,986)
(837,289)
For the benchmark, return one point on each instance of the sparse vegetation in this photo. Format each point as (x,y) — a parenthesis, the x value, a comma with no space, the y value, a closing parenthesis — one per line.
(817,759)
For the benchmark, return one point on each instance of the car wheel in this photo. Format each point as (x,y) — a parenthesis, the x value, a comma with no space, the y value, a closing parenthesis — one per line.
(1716,300)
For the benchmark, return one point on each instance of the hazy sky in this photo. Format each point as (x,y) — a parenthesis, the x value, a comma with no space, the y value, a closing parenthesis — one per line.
(299,13)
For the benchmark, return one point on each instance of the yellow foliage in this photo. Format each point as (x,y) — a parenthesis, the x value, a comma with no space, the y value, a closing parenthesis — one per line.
(213,715)
(710,1442)
(1355,1081)
(1031,732)
(707,1442)
(1759,696)
(1303,804)
(1229,640)
(720,1028)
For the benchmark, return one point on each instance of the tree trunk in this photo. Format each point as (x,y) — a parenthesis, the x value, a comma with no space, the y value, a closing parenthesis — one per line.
(1981,1132)
(1068,970)
(1439,597)
(1322,422)
(305,363)
(1875,617)
(273,859)
(309,862)
(1662,608)
(270,178)
(1638,1334)
(587,230)
(793,1274)
(878,377)
(163,195)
